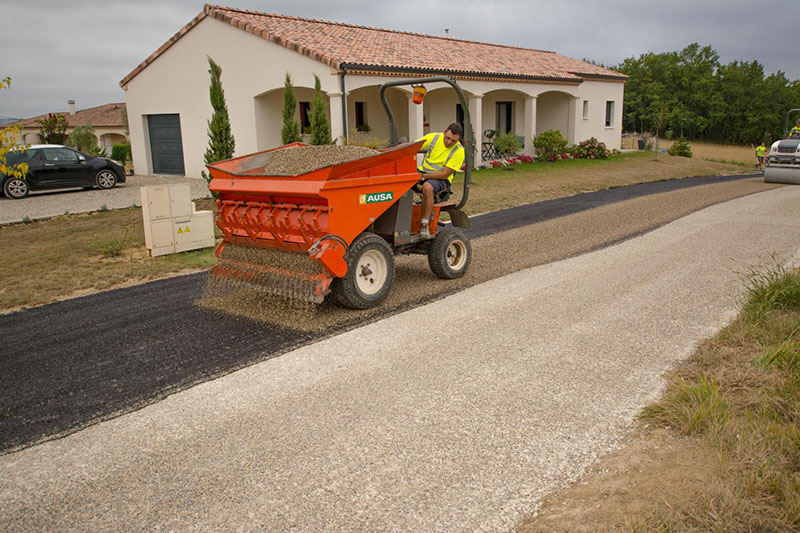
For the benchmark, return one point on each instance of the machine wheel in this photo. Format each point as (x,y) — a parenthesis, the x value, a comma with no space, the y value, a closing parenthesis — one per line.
(450,253)
(370,273)
(16,188)
(106,179)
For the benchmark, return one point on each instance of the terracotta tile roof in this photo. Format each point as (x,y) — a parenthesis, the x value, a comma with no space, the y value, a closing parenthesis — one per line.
(378,50)
(108,115)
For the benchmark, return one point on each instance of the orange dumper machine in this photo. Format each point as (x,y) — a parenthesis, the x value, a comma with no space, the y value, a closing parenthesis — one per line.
(337,228)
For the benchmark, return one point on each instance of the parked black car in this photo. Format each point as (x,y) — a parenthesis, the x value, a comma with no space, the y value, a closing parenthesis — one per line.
(53,166)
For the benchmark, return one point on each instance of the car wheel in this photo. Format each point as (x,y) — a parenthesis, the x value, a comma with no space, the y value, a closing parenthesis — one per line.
(16,188)
(106,179)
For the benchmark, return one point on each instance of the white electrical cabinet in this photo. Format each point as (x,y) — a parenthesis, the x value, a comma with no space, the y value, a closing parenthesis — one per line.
(171,223)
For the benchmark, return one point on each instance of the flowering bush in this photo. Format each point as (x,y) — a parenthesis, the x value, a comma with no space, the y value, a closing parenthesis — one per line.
(552,157)
(508,161)
(591,149)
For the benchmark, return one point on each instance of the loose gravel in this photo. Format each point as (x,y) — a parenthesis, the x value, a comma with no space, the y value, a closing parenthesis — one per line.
(495,255)
(302,159)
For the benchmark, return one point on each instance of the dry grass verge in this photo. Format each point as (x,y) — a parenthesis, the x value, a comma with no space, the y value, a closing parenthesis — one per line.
(731,415)
(73,255)
(743,156)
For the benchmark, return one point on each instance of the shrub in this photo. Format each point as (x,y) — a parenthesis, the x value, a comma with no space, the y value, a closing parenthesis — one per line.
(550,142)
(96,151)
(680,148)
(591,149)
(507,143)
(121,152)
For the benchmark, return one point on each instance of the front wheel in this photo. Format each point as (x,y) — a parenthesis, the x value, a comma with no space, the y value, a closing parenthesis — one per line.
(16,188)
(370,273)
(106,179)
(450,253)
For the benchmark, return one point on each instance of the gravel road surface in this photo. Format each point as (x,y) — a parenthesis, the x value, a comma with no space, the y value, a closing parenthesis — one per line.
(410,424)
(116,351)
(46,204)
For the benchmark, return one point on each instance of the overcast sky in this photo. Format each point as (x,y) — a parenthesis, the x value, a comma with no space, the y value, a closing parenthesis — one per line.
(81,49)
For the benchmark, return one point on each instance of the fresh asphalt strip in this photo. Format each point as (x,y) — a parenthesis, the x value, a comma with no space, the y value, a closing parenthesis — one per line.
(74,363)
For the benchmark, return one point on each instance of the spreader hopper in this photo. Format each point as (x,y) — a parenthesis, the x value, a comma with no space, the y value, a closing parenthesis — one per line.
(289,234)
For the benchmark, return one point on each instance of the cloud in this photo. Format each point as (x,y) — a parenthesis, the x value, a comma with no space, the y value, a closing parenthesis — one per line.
(55,51)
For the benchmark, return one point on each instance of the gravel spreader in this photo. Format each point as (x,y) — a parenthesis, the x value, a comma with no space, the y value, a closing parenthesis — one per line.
(300,222)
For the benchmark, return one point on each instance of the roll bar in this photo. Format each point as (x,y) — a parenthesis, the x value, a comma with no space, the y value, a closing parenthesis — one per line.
(786,127)
(468,138)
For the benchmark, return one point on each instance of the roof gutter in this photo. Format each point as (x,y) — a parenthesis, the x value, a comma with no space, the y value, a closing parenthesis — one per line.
(447,72)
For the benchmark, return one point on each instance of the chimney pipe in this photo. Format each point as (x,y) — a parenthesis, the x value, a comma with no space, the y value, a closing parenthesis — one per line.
(71,106)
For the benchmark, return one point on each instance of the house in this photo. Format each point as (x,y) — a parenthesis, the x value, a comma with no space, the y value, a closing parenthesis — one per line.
(107,121)
(508,88)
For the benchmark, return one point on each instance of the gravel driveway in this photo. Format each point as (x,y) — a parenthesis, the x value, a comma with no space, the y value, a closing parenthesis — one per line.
(406,424)
(46,204)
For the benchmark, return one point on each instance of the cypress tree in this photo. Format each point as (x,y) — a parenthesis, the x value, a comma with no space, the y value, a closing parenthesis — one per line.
(220,139)
(320,128)
(291,128)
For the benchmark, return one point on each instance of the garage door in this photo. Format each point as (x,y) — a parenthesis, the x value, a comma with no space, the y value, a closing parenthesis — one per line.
(166,147)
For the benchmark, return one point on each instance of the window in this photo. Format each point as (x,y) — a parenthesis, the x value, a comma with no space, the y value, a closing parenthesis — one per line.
(305,112)
(504,116)
(60,154)
(609,113)
(586,110)
(361,116)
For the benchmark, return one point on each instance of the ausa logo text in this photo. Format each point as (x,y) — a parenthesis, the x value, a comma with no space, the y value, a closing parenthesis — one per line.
(375,197)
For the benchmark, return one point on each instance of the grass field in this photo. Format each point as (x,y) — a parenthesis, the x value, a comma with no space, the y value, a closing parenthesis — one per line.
(727,153)
(724,153)
(66,256)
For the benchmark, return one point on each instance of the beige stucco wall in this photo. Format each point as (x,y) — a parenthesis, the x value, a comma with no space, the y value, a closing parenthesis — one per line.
(253,73)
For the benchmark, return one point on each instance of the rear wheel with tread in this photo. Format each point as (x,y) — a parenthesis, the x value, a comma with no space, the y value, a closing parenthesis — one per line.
(450,253)
(370,273)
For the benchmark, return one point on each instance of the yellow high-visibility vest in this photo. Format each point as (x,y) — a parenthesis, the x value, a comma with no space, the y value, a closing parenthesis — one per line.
(440,156)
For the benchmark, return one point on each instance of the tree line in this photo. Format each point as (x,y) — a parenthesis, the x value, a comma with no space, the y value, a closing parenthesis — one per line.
(691,94)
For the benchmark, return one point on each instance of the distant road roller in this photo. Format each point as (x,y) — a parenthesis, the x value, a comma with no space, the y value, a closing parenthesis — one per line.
(335,229)
(783,161)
